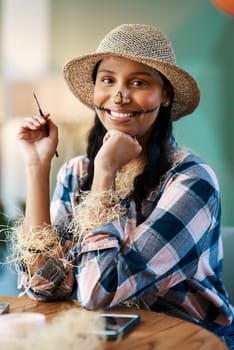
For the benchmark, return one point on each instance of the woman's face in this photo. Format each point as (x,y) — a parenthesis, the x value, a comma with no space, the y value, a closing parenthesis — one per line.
(142,93)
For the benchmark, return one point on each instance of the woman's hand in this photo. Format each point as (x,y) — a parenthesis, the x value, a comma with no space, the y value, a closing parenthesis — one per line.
(37,139)
(118,149)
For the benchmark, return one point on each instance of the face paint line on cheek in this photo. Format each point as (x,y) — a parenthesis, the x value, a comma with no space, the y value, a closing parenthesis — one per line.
(100,108)
(151,110)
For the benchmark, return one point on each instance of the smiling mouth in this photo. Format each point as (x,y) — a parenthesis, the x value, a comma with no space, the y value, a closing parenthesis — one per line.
(125,114)
(122,115)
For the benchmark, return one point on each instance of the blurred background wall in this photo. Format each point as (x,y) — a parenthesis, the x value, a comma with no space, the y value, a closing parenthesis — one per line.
(38,37)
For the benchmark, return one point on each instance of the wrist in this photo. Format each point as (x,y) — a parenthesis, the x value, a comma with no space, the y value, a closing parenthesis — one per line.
(37,173)
(38,166)
(103,180)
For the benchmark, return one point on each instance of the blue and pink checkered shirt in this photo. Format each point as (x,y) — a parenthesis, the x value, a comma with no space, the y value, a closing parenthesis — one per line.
(171,262)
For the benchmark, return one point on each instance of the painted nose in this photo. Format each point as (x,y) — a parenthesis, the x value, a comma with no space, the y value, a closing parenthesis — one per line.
(119,99)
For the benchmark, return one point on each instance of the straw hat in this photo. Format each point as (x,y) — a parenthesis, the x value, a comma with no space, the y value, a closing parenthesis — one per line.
(141,43)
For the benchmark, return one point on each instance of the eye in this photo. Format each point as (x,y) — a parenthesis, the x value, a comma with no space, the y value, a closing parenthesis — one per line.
(138,83)
(107,80)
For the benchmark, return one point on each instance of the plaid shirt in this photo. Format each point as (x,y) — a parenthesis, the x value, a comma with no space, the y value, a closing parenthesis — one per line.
(172,262)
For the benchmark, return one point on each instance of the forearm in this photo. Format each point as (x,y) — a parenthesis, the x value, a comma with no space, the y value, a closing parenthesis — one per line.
(98,206)
(103,180)
(37,211)
(35,233)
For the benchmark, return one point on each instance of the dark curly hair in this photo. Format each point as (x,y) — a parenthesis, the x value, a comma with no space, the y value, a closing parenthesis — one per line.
(158,154)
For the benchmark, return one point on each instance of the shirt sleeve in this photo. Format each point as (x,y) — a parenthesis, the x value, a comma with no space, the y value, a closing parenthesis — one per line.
(121,261)
(55,278)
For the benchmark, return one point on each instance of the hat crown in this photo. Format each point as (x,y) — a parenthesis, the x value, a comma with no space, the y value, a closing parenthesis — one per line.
(144,44)
(138,40)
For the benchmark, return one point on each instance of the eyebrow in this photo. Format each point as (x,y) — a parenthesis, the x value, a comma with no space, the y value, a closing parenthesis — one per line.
(133,73)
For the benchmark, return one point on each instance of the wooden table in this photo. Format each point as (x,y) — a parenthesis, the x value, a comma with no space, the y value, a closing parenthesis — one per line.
(155,331)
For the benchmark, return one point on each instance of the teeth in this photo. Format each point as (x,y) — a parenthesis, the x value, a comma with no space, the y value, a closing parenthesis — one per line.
(121,115)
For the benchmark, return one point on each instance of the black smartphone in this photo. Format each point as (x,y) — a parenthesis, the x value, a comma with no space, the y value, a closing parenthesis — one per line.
(116,325)
(4,308)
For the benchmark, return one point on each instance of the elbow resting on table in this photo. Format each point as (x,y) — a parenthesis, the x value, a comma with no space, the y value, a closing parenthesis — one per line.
(95,300)
(94,305)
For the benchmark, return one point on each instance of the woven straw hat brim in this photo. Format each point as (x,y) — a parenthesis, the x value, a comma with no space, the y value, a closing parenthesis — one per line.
(78,74)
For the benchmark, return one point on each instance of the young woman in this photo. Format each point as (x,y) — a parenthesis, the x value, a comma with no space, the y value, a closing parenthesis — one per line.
(137,219)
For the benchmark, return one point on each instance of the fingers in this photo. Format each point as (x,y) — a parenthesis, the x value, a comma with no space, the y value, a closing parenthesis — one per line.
(119,141)
(53,130)
(35,122)
(113,133)
(119,134)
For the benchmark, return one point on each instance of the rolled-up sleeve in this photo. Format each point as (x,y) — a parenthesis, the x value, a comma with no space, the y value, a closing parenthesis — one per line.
(55,278)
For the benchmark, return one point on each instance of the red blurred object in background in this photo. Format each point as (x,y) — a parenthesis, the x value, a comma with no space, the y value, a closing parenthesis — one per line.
(226,6)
